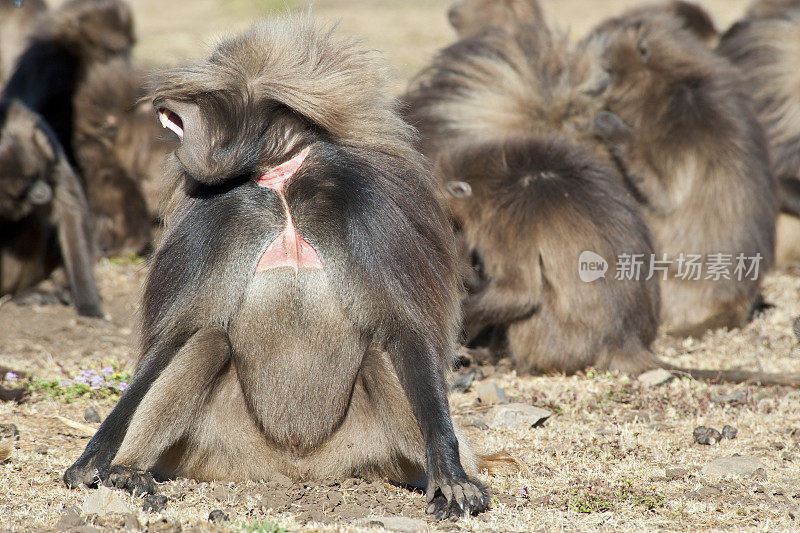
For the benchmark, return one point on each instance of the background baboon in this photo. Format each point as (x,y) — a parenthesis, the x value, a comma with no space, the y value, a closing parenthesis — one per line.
(44,217)
(691,17)
(471,17)
(767,51)
(121,151)
(17,21)
(770,8)
(534,208)
(66,42)
(692,151)
(289,138)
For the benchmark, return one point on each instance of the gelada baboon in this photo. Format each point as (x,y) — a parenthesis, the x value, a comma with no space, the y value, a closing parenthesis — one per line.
(17,21)
(67,41)
(471,17)
(121,152)
(771,8)
(506,84)
(685,136)
(767,51)
(303,302)
(555,237)
(44,217)
(691,17)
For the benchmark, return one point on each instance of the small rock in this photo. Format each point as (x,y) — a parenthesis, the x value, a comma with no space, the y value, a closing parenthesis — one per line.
(490,393)
(70,518)
(676,473)
(165,525)
(732,398)
(796,328)
(708,492)
(154,503)
(9,431)
(103,501)
(463,382)
(41,449)
(655,378)
(401,524)
(91,415)
(704,435)
(730,432)
(479,423)
(738,465)
(516,415)
(218,516)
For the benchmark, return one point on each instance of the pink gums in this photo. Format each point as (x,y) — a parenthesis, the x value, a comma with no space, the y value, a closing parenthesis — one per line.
(288,249)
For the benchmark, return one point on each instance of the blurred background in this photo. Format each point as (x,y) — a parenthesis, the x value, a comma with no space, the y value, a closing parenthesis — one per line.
(406,31)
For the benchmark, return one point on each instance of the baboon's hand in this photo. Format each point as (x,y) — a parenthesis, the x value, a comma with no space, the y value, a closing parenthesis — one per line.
(137,482)
(451,497)
(84,472)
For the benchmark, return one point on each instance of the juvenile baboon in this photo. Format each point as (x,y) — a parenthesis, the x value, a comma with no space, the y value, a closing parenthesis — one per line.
(767,52)
(691,17)
(301,310)
(44,217)
(565,258)
(17,21)
(686,137)
(67,41)
(121,152)
(472,17)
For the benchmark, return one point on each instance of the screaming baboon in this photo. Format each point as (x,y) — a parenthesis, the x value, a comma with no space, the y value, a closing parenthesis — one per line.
(568,278)
(767,51)
(44,217)
(121,152)
(690,147)
(66,42)
(301,309)
(17,20)
(471,17)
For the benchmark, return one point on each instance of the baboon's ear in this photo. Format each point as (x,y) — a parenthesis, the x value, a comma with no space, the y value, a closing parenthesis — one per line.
(186,121)
(695,19)
(459,189)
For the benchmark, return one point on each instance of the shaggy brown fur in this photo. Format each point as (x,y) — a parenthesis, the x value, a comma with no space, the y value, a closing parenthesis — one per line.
(332,370)
(502,85)
(16,26)
(767,52)
(771,8)
(44,217)
(694,154)
(472,17)
(689,15)
(122,152)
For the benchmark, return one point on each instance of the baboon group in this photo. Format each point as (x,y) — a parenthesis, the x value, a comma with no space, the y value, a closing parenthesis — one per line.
(321,252)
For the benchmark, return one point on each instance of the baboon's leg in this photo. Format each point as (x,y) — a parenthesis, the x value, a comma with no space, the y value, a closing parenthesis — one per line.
(498,303)
(71,212)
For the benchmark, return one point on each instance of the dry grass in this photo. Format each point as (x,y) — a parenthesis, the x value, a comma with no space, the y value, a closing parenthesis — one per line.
(599,463)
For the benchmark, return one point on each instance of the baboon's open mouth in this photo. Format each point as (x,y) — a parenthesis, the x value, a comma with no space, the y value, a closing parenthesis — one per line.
(171,121)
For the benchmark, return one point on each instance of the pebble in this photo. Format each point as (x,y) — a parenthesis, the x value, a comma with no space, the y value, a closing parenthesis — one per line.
(217,516)
(490,393)
(103,501)
(704,435)
(400,524)
(729,432)
(738,465)
(9,431)
(734,397)
(655,378)
(41,449)
(154,503)
(91,415)
(479,423)
(676,473)
(516,416)
(463,382)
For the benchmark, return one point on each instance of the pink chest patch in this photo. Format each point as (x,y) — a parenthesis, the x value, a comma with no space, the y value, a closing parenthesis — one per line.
(288,249)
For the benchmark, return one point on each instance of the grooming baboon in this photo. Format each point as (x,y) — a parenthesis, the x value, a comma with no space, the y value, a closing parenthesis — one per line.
(121,152)
(471,17)
(506,84)
(691,17)
(67,41)
(17,21)
(767,51)
(688,142)
(44,217)
(301,310)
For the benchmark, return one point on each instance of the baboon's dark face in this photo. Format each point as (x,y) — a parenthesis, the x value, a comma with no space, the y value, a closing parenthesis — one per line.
(25,160)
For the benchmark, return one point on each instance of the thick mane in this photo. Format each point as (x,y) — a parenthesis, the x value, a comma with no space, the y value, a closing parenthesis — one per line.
(334,82)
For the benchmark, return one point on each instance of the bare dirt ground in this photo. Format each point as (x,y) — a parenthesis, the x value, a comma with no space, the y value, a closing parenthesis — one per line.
(616,454)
